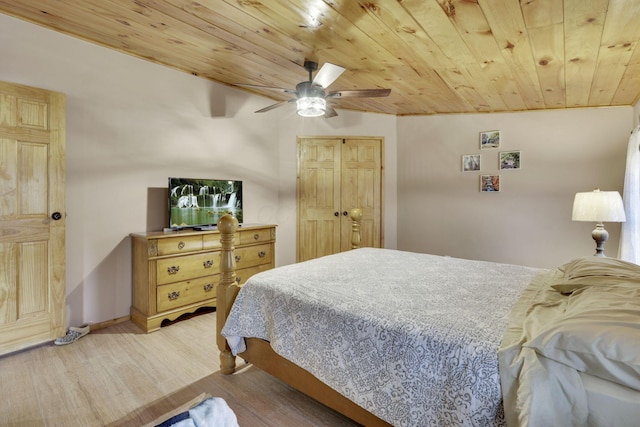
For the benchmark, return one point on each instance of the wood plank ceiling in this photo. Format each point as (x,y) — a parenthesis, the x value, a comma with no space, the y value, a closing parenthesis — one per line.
(437,56)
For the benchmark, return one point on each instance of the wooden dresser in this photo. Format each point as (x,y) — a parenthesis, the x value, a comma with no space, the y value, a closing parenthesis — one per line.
(177,272)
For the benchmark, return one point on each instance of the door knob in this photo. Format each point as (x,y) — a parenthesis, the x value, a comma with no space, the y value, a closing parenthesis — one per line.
(56,216)
(344,213)
(336,213)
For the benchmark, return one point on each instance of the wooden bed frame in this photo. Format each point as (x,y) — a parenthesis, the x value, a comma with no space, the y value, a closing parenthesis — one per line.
(259,352)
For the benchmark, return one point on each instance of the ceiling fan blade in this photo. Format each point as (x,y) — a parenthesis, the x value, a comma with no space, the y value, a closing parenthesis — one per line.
(362,93)
(278,89)
(272,106)
(327,74)
(330,112)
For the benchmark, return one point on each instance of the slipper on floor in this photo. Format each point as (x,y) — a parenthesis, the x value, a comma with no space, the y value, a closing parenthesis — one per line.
(73,335)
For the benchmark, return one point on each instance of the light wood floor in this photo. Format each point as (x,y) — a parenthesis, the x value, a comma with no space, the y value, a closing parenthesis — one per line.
(119,376)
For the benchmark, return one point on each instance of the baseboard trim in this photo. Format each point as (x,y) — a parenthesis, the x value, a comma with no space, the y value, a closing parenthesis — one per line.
(105,324)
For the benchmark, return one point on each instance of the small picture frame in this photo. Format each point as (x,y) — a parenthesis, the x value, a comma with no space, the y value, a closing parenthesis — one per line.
(470,162)
(489,139)
(509,160)
(489,183)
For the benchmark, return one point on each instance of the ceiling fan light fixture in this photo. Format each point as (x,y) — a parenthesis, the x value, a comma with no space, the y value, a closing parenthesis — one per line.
(311,106)
(310,95)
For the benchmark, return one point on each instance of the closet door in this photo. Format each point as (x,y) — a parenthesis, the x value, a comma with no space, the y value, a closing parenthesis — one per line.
(336,175)
(361,176)
(32,251)
(318,187)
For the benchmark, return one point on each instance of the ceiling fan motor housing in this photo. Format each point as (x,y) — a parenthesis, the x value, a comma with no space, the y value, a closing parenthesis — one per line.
(309,90)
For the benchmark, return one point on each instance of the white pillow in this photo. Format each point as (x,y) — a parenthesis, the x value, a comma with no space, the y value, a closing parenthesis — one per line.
(598,334)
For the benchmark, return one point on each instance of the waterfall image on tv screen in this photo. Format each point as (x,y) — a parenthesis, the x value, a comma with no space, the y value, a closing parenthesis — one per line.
(202,202)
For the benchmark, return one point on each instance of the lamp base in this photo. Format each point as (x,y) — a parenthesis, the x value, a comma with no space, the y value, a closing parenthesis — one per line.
(600,235)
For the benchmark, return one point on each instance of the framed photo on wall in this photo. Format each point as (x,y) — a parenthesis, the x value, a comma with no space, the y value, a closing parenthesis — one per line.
(509,160)
(489,139)
(490,183)
(470,162)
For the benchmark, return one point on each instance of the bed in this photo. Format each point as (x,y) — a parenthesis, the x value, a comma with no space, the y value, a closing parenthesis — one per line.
(397,338)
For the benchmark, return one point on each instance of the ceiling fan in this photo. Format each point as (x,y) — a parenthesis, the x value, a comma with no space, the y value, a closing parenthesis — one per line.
(310,96)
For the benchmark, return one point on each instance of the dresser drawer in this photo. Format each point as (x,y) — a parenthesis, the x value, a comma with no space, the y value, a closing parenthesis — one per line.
(186,292)
(255,236)
(176,269)
(178,245)
(254,255)
(245,273)
(212,241)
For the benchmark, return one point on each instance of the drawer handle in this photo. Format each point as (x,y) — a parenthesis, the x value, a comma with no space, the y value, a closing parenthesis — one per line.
(208,287)
(256,236)
(238,258)
(262,254)
(173,295)
(181,245)
(208,263)
(173,269)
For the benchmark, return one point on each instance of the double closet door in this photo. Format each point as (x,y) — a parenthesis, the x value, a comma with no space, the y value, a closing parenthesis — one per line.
(336,175)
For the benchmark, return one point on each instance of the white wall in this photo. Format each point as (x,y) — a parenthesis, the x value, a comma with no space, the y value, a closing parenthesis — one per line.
(442,211)
(130,125)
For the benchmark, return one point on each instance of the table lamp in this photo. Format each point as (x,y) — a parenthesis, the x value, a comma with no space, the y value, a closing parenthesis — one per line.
(598,206)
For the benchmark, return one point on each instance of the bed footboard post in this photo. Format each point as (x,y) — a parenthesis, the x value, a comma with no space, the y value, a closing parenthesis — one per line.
(227,289)
(356,216)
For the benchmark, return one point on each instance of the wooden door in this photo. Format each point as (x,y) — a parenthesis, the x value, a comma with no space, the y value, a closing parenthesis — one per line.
(334,176)
(318,184)
(361,188)
(32,249)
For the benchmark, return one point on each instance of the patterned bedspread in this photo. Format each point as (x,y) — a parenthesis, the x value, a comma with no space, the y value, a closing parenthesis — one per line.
(412,338)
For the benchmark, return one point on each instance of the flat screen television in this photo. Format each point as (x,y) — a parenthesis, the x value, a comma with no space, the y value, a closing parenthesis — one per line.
(200,203)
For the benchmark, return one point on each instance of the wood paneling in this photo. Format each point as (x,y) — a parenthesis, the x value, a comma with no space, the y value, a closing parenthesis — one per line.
(437,56)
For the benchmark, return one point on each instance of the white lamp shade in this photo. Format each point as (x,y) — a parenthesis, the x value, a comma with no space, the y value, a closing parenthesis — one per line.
(598,206)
